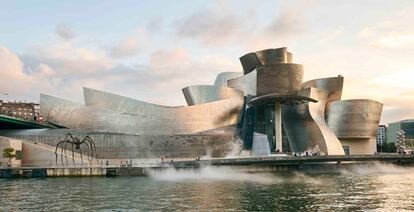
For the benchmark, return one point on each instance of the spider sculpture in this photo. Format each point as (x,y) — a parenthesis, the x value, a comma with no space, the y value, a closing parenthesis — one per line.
(76,142)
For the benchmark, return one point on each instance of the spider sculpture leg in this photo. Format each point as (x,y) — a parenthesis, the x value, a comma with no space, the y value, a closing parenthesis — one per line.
(80,151)
(71,137)
(66,157)
(57,146)
(88,150)
(92,143)
(61,153)
(73,154)
(88,141)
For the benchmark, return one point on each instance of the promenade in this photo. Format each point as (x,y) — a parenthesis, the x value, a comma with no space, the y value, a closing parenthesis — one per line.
(266,163)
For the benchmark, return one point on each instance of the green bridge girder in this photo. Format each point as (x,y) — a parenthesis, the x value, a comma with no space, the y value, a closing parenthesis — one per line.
(7,122)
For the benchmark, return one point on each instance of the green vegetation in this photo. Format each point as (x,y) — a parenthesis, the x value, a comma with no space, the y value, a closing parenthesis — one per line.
(8,153)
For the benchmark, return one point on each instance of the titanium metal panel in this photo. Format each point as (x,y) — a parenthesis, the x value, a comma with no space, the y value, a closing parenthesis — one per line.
(333,85)
(355,118)
(221,79)
(200,94)
(246,83)
(306,128)
(282,79)
(115,113)
(254,60)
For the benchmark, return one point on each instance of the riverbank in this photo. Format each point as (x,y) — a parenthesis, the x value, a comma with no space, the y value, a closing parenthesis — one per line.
(251,164)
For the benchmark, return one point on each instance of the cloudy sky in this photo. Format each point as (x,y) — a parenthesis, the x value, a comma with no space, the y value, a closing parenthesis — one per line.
(151,49)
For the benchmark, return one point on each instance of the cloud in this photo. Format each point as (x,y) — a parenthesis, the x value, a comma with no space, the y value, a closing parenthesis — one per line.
(125,48)
(68,59)
(393,31)
(290,20)
(16,82)
(131,45)
(222,25)
(65,32)
(62,69)
(211,26)
(155,25)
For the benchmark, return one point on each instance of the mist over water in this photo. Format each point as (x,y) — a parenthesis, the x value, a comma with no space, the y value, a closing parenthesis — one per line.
(209,174)
(212,174)
(377,168)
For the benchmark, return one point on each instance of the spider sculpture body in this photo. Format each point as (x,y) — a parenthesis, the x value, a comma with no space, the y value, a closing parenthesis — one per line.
(75,144)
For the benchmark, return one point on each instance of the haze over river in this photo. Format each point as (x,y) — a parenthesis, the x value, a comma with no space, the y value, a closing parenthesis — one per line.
(376,187)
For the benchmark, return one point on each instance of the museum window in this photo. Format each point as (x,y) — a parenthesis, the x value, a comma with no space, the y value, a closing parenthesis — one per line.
(346,149)
(19,154)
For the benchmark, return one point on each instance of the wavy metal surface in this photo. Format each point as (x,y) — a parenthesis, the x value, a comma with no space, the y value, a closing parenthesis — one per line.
(115,113)
(354,118)
(333,85)
(221,79)
(246,83)
(281,78)
(254,60)
(200,94)
(306,128)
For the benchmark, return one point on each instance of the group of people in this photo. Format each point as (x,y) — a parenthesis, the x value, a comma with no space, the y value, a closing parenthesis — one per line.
(306,154)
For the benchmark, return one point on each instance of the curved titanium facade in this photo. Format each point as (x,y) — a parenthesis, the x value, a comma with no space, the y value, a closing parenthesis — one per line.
(221,79)
(355,118)
(200,94)
(116,113)
(281,78)
(333,85)
(254,60)
(247,83)
(306,128)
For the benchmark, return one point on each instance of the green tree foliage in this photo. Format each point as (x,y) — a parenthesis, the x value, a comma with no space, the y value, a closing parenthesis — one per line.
(8,153)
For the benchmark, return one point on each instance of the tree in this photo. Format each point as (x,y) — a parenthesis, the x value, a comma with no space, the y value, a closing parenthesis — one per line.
(9,153)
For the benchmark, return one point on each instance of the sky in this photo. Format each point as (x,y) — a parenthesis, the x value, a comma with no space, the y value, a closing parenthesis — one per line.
(150,50)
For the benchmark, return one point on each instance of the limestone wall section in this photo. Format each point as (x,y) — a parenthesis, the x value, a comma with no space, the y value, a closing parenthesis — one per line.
(215,143)
(10,143)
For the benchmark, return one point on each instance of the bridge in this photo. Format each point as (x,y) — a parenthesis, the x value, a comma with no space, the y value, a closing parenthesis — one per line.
(7,122)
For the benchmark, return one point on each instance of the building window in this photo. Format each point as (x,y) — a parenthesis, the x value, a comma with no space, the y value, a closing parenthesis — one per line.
(19,154)
(346,149)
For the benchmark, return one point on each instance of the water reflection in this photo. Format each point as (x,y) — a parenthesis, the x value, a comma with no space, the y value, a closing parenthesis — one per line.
(358,188)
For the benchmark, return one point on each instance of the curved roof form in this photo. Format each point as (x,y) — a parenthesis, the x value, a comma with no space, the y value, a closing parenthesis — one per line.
(254,60)
(115,113)
(200,94)
(333,85)
(306,128)
(121,103)
(221,79)
(247,83)
(280,78)
(354,118)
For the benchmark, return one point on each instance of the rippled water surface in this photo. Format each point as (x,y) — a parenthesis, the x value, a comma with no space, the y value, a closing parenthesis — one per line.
(383,188)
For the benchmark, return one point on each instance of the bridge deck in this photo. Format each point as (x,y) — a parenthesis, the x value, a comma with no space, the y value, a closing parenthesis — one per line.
(7,122)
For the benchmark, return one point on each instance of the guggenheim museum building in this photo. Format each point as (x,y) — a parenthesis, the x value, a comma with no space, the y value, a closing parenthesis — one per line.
(267,100)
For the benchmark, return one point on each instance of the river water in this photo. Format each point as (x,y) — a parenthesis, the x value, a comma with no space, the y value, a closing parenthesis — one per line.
(376,187)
